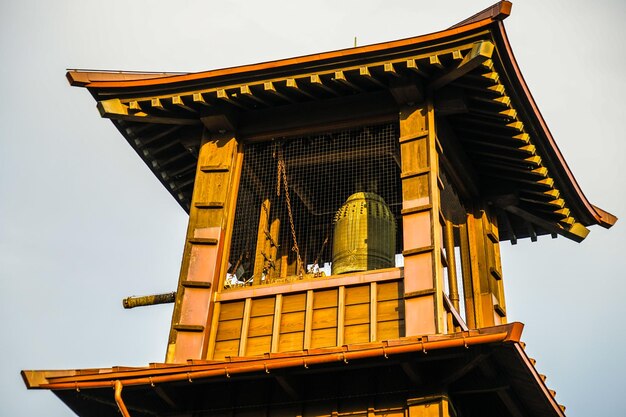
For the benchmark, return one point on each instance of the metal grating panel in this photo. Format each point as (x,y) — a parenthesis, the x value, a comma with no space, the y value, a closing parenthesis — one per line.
(320,173)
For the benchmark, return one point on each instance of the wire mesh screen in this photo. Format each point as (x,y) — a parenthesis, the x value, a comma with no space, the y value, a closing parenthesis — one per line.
(290,196)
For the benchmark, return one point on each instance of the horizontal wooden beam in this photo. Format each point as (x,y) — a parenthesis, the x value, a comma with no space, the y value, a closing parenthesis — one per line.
(114,109)
(317,116)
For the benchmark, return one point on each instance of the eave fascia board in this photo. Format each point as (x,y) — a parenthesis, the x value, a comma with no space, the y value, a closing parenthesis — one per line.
(121,80)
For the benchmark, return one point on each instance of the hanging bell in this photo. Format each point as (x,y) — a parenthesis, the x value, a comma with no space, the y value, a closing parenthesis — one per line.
(364,236)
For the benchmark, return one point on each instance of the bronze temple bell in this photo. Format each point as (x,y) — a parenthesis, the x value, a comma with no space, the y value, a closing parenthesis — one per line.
(365,235)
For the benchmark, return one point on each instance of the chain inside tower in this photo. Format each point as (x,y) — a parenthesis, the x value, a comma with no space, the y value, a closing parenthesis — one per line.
(294,192)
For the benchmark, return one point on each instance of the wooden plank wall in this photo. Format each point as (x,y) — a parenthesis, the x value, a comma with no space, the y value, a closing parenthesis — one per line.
(309,319)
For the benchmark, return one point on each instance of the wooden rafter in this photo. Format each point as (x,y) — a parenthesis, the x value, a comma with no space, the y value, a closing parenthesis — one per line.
(245,91)
(576,231)
(480,52)
(269,87)
(340,77)
(116,110)
(178,101)
(147,141)
(316,80)
(292,85)
(366,74)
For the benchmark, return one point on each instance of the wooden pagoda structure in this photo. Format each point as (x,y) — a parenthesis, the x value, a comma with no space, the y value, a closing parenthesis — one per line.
(345,214)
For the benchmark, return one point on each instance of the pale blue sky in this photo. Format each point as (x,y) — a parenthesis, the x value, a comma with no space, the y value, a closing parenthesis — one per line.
(83,223)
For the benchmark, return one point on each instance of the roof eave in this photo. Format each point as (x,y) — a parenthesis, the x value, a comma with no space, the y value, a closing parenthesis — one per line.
(592,214)
(111,82)
(102,378)
(96,79)
(84,77)
(507,336)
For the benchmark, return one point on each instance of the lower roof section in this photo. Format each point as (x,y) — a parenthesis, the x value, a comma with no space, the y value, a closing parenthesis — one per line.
(485,371)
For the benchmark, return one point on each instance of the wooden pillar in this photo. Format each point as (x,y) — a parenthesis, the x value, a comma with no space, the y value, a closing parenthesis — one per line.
(261,254)
(471,314)
(453,285)
(482,271)
(432,406)
(205,256)
(423,269)
(495,267)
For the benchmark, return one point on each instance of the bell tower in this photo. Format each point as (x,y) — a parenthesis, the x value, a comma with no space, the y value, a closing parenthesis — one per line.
(340,235)
(346,210)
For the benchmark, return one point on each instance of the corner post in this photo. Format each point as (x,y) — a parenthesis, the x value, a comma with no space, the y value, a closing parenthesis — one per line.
(431,406)
(421,207)
(484,292)
(205,256)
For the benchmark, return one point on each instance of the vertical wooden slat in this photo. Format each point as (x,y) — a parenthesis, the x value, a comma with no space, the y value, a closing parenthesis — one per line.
(308,319)
(213,331)
(245,326)
(259,259)
(341,315)
(272,248)
(278,308)
(229,220)
(450,257)
(470,310)
(373,312)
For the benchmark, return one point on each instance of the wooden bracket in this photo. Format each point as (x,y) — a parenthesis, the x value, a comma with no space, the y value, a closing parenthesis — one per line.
(116,110)
(480,52)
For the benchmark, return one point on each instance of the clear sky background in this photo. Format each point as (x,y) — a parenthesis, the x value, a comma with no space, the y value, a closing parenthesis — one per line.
(84,223)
